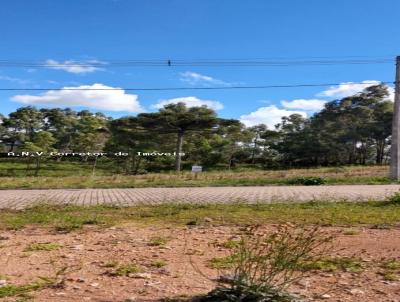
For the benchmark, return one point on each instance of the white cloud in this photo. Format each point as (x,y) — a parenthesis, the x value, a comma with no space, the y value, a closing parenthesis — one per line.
(347,89)
(304,104)
(194,78)
(190,101)
(110,100)
(270,116)
(75,66)
(350,88)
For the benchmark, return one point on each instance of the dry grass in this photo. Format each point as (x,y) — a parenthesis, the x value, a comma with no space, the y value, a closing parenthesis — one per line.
(69,218)
(336,175)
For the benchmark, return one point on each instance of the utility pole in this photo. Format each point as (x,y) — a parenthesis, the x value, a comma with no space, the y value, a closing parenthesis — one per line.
(395,148)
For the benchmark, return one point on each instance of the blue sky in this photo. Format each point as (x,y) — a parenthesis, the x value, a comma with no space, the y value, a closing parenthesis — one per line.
(68,32)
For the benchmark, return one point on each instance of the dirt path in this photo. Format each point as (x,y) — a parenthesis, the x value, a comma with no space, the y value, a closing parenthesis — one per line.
(23,198)
(180,266)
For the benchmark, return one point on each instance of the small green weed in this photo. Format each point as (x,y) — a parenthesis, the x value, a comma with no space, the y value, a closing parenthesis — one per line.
(222,262)
(158,241)
(122,269)
(158,264)
(390,276)
(230,244)
(391,265)
(48,246)
(307,181)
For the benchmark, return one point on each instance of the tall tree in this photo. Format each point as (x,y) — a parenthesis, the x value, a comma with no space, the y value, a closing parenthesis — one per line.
(22,125)
(62,123)
(257,132)
(179,119)
(42,141)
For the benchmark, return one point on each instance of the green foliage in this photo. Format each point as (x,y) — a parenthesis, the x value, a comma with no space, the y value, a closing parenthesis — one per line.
(394,199)
(307,181)
(179,119)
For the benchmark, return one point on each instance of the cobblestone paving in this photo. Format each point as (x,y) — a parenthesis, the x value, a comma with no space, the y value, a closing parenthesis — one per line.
(19,199)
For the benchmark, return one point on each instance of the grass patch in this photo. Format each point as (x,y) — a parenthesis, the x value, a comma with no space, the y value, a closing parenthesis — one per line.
(122,269)
(329,264)
(390,276)
(19,290)
(158,241)
(43,247)
(61,218)
(222,262)
(72,217)
(391,270)
(391,265)
(230,244)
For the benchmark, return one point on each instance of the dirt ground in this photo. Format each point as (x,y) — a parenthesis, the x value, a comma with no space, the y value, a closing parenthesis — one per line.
(173,261)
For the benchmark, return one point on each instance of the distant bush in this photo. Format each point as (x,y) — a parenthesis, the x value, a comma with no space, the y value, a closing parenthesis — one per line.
(307,181)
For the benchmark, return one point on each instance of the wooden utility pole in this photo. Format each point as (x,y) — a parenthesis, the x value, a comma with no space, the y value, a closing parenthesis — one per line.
(395,148)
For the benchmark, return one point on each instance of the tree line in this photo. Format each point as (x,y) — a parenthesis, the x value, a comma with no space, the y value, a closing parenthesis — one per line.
(351,130)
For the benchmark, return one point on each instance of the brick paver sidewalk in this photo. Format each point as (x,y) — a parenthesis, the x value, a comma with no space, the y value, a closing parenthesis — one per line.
(24,198)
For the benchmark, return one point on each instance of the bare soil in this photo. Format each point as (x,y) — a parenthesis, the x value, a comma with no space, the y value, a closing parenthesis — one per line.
(86,260)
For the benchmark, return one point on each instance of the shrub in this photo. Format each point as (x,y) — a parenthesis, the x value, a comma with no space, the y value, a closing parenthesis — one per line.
(263,265)
(307,181)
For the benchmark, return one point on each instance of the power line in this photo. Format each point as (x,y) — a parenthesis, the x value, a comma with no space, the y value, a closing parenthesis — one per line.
(199,63)
(192,88)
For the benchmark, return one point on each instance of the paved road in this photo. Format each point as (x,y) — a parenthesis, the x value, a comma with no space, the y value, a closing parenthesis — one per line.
(23,198)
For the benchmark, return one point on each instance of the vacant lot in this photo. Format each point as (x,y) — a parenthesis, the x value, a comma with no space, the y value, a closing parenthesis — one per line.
(173,252)
(79,175)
